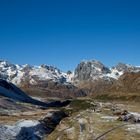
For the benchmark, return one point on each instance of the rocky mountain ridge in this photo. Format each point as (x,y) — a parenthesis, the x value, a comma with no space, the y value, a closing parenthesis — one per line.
(94,70)
(40,80)
(19,74)
(96,78)
(85,71)
(89,77)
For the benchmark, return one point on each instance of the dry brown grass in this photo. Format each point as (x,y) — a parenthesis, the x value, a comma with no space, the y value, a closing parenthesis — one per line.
(32,115)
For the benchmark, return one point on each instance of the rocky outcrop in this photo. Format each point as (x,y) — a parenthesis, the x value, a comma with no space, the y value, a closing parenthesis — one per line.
(90,70)
(126,68)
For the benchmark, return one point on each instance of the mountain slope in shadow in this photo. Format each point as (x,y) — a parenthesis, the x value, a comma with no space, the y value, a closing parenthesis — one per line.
(9,90)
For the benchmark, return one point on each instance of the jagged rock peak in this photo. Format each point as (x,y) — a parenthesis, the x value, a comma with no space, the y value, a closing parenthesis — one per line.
(89,70)
(94,64)
(126,67)
(20,74)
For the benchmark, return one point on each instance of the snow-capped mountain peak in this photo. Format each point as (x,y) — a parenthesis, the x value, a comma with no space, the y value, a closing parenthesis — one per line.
(20,73)
(93,70)
(85,71)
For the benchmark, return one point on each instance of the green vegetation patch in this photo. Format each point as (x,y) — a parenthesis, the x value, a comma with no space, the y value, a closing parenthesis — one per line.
(77,105)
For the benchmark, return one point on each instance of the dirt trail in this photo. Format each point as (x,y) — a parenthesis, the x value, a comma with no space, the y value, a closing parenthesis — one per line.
(109,131)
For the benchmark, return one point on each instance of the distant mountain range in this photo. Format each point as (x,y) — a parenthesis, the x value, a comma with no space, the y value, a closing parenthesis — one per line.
(47,80)
(19,74)
(85,71)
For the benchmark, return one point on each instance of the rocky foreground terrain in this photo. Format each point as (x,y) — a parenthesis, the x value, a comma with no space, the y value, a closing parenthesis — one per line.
(93,102)
(20,121)
(21,115)
(102,123)
(85,118)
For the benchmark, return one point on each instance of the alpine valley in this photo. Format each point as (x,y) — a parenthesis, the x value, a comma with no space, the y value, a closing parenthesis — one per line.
(43,102)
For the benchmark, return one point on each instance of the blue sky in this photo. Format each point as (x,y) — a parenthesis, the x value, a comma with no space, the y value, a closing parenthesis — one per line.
(64,32)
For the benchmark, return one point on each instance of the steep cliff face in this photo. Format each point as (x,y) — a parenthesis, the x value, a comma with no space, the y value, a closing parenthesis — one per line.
(90,70)
(94,70)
